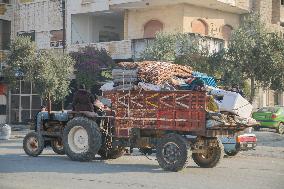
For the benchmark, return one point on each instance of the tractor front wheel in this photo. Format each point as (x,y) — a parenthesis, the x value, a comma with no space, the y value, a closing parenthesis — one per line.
(33,144)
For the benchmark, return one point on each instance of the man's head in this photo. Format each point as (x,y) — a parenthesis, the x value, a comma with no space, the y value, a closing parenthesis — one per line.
(43,108)
(82,86)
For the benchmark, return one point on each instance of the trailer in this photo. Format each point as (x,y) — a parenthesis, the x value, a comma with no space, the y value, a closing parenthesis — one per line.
(171,122)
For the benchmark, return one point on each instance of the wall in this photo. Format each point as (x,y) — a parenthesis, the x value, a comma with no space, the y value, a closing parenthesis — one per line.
(40,16)
(178,18)
(170,16)
(282,13)
(81,28)
(86,28)
(215,19)
(275,19)
(112,24)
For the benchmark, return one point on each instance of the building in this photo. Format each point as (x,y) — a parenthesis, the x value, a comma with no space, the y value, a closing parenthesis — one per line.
(42,21)
(6,19)
(125,28)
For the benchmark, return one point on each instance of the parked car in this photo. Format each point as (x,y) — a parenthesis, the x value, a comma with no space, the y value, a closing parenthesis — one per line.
(232,145)
(270,117)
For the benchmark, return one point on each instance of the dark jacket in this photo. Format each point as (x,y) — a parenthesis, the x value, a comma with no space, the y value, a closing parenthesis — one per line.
(83,101)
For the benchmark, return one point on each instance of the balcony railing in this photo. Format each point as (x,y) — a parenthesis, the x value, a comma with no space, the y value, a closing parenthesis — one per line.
(209,43)
(132,49)
(117,49)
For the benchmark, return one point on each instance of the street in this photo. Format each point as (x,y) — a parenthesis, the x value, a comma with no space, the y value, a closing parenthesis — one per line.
(262,168)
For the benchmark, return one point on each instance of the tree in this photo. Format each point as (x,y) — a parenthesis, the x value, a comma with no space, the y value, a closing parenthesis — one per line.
(185,49)
(20,60)
(53,74)
(49,72)
(256,54)
(93,65)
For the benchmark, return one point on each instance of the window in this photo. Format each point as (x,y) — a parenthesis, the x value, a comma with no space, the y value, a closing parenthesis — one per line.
(151,28)
(30,34)
(199,26)
(282,2)
(226,32)
(5,33)
(56,39)
(5,1)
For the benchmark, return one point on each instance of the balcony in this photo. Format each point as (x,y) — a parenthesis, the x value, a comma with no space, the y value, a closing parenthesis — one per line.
(212,44)
(118,50)
(234,6)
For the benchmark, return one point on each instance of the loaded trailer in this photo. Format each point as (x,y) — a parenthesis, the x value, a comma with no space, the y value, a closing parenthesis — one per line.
(160,120)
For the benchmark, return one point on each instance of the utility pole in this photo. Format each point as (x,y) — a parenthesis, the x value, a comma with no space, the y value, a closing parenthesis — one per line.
(63,24)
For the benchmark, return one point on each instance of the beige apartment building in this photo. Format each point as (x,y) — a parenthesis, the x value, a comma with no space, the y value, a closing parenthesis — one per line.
(126,27)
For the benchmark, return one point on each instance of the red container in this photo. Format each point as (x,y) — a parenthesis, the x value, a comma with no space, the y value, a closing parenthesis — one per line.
(159,110)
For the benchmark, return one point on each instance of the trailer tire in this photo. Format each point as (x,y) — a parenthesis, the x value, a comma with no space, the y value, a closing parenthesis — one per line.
(211,158)
(33,144)
(81,139)
(57,146)
(172,152)
(233,152)
(111,153)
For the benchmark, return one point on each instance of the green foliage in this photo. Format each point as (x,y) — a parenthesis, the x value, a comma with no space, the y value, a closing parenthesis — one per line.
(255,54)
(53,75)
(50,72)
(93,65)
(185,49)
(163,48)
(20,60)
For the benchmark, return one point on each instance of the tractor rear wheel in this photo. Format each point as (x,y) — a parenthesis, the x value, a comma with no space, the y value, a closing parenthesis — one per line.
(81,139)
(33,144)
(57,146)
(172,152)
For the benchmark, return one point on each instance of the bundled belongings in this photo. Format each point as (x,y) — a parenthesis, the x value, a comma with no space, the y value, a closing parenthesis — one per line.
(124,79)
(232,102)
(158,72)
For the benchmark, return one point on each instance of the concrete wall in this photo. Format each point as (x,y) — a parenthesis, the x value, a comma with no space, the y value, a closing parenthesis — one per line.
(86,28)
(112,24)
(275,17)
(170,16)
(42,16)
(179,18)
(81,28)
(214,19)
(282,13)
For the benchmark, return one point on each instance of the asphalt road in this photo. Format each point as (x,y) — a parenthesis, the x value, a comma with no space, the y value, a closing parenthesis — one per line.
(262,168)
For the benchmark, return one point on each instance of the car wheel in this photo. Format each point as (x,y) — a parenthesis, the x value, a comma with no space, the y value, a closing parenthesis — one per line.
(233,152)
(256,128)
(281,128)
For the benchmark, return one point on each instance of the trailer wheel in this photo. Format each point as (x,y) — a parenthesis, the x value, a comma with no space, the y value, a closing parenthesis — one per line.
(211,157)
(111,153)
(172,152)
(33,144)
(57,146)
(81,139)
